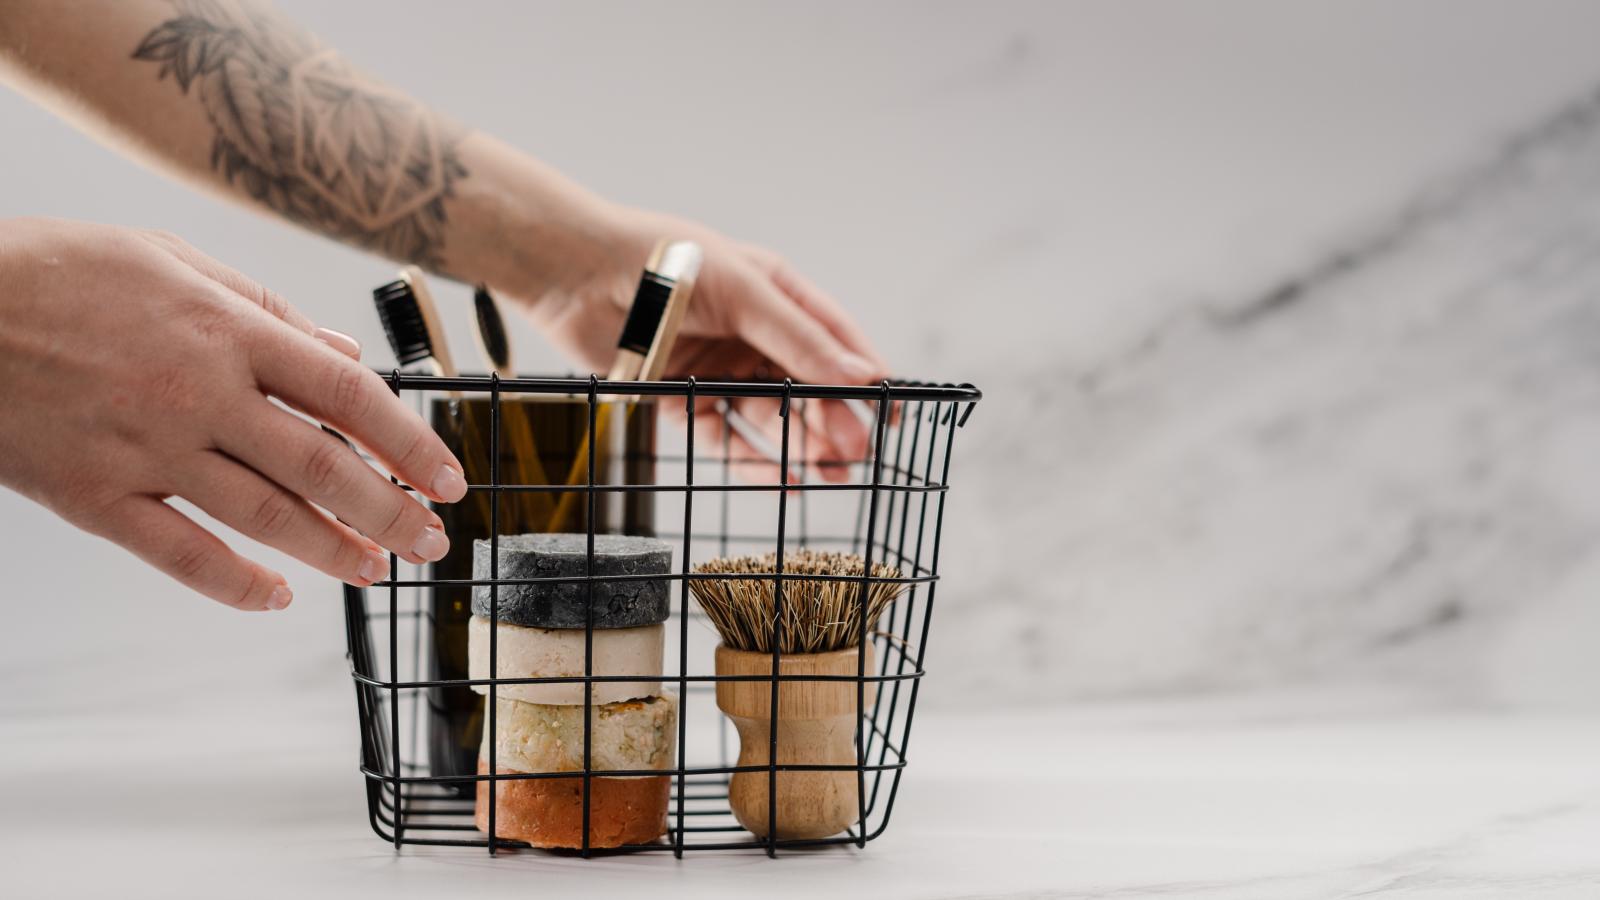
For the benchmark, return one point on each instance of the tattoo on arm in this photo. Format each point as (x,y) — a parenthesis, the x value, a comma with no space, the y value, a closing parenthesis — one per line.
(302,133)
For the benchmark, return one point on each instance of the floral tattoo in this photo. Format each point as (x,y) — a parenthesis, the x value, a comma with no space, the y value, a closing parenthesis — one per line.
(302,133)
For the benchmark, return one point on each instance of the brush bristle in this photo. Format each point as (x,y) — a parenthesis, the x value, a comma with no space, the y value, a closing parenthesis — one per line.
(491,329)
(818,615)
(402,321)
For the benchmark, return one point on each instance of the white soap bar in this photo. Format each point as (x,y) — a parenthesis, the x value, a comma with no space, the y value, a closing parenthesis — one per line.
(558,653)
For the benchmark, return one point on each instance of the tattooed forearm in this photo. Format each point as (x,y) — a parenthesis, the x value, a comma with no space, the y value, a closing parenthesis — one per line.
(300,132)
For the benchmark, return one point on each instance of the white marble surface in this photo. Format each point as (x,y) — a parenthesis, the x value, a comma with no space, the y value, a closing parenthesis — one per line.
(1350,792)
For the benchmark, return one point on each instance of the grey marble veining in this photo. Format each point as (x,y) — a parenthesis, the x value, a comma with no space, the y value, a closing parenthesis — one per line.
(1378,464)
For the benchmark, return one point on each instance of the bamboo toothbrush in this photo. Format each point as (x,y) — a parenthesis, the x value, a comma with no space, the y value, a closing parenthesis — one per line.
(410,319)
(493,341)
(646,343)
(680,262)
(495,344)
(411,322)
(644,319)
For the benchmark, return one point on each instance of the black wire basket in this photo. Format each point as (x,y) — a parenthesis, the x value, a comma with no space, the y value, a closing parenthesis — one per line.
(889,508)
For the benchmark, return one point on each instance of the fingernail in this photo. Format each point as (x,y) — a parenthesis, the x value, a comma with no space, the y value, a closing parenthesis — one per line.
(340,341)
(373,567)
(856,369)
(448,485)
(280,597)
(433,545)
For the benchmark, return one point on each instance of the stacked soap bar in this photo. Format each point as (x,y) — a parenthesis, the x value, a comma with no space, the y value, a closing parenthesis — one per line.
(540,633)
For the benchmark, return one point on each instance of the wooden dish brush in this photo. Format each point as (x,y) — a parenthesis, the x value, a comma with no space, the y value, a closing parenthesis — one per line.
(818,634)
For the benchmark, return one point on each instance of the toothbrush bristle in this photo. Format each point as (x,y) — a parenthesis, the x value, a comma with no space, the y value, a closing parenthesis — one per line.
(492,329)
(403,322)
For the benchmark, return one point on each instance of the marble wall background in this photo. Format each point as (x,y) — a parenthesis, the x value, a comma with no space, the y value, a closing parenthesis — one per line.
(1378,465)
(1287,310)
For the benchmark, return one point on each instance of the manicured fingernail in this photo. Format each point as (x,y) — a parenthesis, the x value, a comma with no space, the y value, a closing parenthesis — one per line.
(373,567)
(856,369)
(340,341)
(448,485)
(432,545)
(280,597)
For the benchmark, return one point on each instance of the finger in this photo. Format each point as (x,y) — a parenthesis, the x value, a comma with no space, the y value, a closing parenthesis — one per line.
(310,463)
(353,399)
(828,450)
(811,442)
(847,434)
(715,439)
(261,510)
(832,440)
(808,444)
(833,316)
(248,289)
(786,334)
(832,433)
(826,310)
(233,280)
(850,434)
(339,341)
(170,541)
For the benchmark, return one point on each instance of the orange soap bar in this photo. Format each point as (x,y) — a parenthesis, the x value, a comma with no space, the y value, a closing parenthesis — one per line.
(548,812)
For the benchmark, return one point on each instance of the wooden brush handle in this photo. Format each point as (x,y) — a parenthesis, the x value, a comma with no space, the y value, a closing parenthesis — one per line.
(437,342)
(685,269)
(816,726)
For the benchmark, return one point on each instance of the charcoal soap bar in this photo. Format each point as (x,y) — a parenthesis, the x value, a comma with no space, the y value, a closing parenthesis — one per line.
(617,604)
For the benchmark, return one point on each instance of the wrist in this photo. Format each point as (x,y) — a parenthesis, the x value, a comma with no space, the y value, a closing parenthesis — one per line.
(528,232)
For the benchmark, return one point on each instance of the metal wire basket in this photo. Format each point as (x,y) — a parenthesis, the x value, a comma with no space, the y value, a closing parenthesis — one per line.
(889,509)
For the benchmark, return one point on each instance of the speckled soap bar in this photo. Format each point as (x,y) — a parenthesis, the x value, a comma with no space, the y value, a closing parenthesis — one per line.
(617,604)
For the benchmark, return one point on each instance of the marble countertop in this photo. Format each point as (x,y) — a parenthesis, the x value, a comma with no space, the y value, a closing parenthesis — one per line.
(1309,793)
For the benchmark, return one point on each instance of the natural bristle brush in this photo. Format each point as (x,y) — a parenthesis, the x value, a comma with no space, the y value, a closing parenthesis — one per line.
(818,632)
(819,616)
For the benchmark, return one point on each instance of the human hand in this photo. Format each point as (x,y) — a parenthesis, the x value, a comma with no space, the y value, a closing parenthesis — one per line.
(138,369)
(752,317)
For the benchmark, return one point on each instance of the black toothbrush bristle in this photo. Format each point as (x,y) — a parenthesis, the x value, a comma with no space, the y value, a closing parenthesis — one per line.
(492,329)
(402,321)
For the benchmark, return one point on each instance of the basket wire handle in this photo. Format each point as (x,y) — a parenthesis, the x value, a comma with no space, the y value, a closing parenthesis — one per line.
(683,611)
(777,621)
(588,629)
(394,672)
(493,701)
(879,435)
